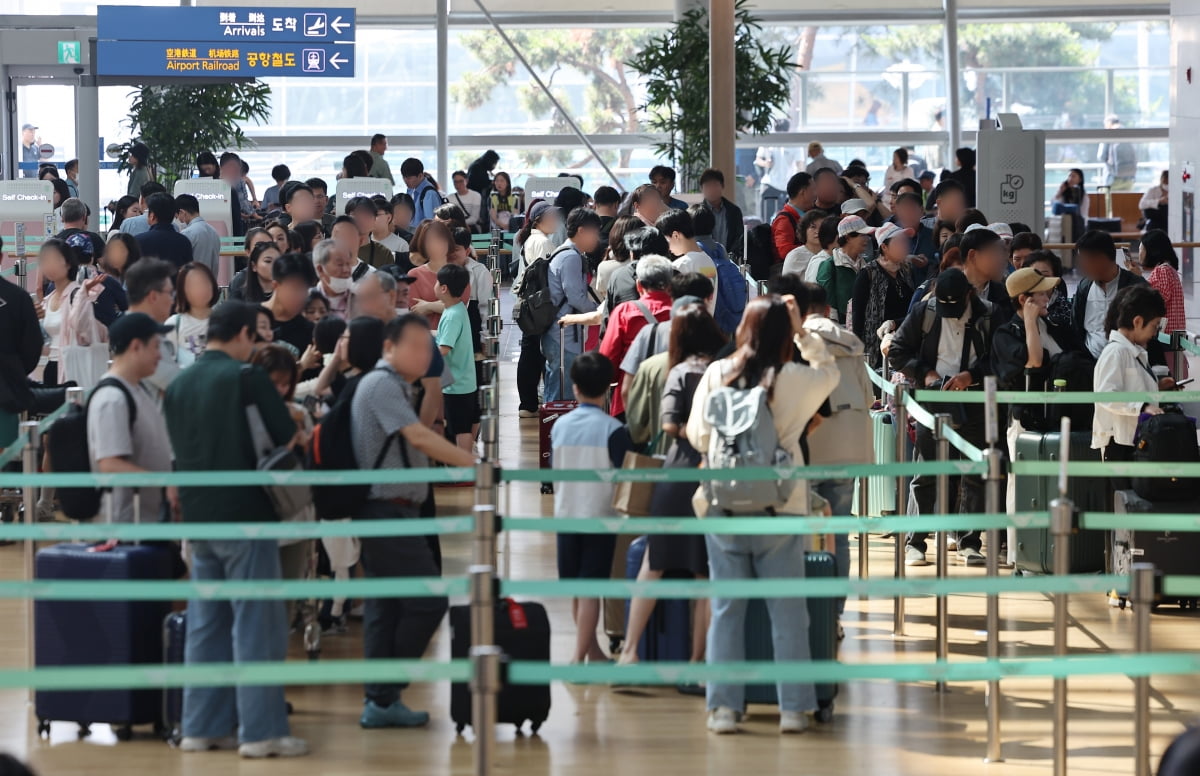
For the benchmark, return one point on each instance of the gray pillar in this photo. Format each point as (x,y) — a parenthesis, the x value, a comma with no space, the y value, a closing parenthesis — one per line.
(722,112)
(87,149)
(443,93)
(7,128)
(953,118)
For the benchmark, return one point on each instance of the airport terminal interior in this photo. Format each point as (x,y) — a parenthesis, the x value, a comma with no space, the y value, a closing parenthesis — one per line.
(1067,128)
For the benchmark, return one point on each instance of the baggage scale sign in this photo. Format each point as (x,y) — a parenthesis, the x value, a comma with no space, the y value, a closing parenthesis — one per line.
(215,42)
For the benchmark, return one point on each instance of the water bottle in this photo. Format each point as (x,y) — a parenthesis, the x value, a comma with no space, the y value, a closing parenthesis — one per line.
(1060,385)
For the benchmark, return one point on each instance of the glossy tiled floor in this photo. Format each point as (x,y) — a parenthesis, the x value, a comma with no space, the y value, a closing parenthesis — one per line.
(880,728)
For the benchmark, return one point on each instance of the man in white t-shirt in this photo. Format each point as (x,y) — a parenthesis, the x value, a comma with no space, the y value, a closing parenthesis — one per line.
(126,431)
(677,227)
(470,201)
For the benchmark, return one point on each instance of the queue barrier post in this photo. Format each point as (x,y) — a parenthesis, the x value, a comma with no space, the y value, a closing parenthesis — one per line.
(864,549)
(995,481)
(29,507)
(1061,515)
(21,266)
(901,505)
(1141,594)
(942,421)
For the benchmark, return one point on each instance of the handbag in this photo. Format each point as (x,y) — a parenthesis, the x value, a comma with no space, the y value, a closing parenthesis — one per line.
(633,499)
(291,502)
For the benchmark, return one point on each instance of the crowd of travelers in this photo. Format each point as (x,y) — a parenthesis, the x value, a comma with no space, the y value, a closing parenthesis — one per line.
(635,306)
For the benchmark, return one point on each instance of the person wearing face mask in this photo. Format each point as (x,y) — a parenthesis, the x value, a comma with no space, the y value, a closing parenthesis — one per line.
(334,267)
(883,289)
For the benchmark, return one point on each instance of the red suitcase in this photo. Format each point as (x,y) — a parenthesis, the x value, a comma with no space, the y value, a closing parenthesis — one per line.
(548,413)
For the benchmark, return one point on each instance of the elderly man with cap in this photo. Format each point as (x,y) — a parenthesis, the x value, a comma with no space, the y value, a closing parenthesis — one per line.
(946,344)
(837,274)
(126,431)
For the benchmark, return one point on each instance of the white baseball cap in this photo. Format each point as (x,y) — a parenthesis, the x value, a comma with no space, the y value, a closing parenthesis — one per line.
(890,230)
(854,225)
(852,206)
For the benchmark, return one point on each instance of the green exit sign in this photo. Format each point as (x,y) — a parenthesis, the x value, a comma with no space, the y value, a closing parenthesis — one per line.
(68,52)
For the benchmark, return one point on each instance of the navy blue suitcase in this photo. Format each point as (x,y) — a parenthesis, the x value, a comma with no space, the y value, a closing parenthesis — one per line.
(822,636)
(668,635)
(88,633)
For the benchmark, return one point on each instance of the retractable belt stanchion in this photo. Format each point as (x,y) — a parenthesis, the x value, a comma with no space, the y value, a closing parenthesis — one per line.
(943,551)
(29,466)
(1141,594)
(485,654)
(995,481)
(1061,520)
(864,549)
(901,505)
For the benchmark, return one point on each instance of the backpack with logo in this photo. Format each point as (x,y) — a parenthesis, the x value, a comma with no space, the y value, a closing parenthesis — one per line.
(332,449)
(1166,438)
(743,435)
(69,453)
(534,310)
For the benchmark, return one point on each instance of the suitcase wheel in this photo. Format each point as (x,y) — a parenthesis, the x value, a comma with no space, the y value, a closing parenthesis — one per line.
(547,488)
(123,732)
(534,727)
(314,654)
(825,713)
(43,728)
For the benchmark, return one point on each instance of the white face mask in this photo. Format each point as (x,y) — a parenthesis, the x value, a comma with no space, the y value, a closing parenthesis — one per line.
(339,285)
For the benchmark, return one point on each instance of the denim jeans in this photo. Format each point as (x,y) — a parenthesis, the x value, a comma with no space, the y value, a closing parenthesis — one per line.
(399,628)
(840,495)
(235,632)
(556,389)
(749,557)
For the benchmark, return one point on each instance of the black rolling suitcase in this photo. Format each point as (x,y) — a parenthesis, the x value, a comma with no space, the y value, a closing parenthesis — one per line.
(822,636)
(1172,553)
(523,632)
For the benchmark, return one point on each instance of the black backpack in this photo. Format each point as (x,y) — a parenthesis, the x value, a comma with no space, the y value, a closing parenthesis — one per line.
(1166,438)
(332,449)
(761,254)
(67,444)
(534,311)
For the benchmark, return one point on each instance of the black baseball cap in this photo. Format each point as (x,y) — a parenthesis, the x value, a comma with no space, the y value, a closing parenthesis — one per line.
(133,326)
(953,293)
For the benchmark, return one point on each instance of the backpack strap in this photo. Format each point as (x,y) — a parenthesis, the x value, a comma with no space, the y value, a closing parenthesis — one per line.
(112,382)
(929,317)
(649,316)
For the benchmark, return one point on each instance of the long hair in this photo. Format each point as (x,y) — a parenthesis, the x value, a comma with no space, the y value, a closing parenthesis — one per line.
(1159,249)
(694,332)
(764,344)
(254,290)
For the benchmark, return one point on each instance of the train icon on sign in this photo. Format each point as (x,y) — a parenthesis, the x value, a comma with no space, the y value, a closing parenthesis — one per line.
(316,25)
(313,61)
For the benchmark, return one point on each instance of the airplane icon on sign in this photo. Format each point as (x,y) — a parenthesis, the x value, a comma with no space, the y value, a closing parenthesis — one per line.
(316,25)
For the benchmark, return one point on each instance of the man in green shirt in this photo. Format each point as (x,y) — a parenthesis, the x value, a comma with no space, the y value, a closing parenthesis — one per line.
(206,420)
(380,168)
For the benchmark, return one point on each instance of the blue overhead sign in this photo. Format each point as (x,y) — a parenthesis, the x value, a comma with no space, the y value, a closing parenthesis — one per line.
(213,60)
(213,42)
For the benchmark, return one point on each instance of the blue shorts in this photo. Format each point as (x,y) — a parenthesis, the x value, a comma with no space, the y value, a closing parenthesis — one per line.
(585,556)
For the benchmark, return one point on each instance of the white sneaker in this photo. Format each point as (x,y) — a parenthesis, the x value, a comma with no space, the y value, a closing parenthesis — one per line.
(288,746)
(914,557)
(722,721)
(793,722)
(526,414)
(196,744)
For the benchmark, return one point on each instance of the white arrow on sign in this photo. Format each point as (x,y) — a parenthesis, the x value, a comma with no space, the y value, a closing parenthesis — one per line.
(337,62)
(338,25)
